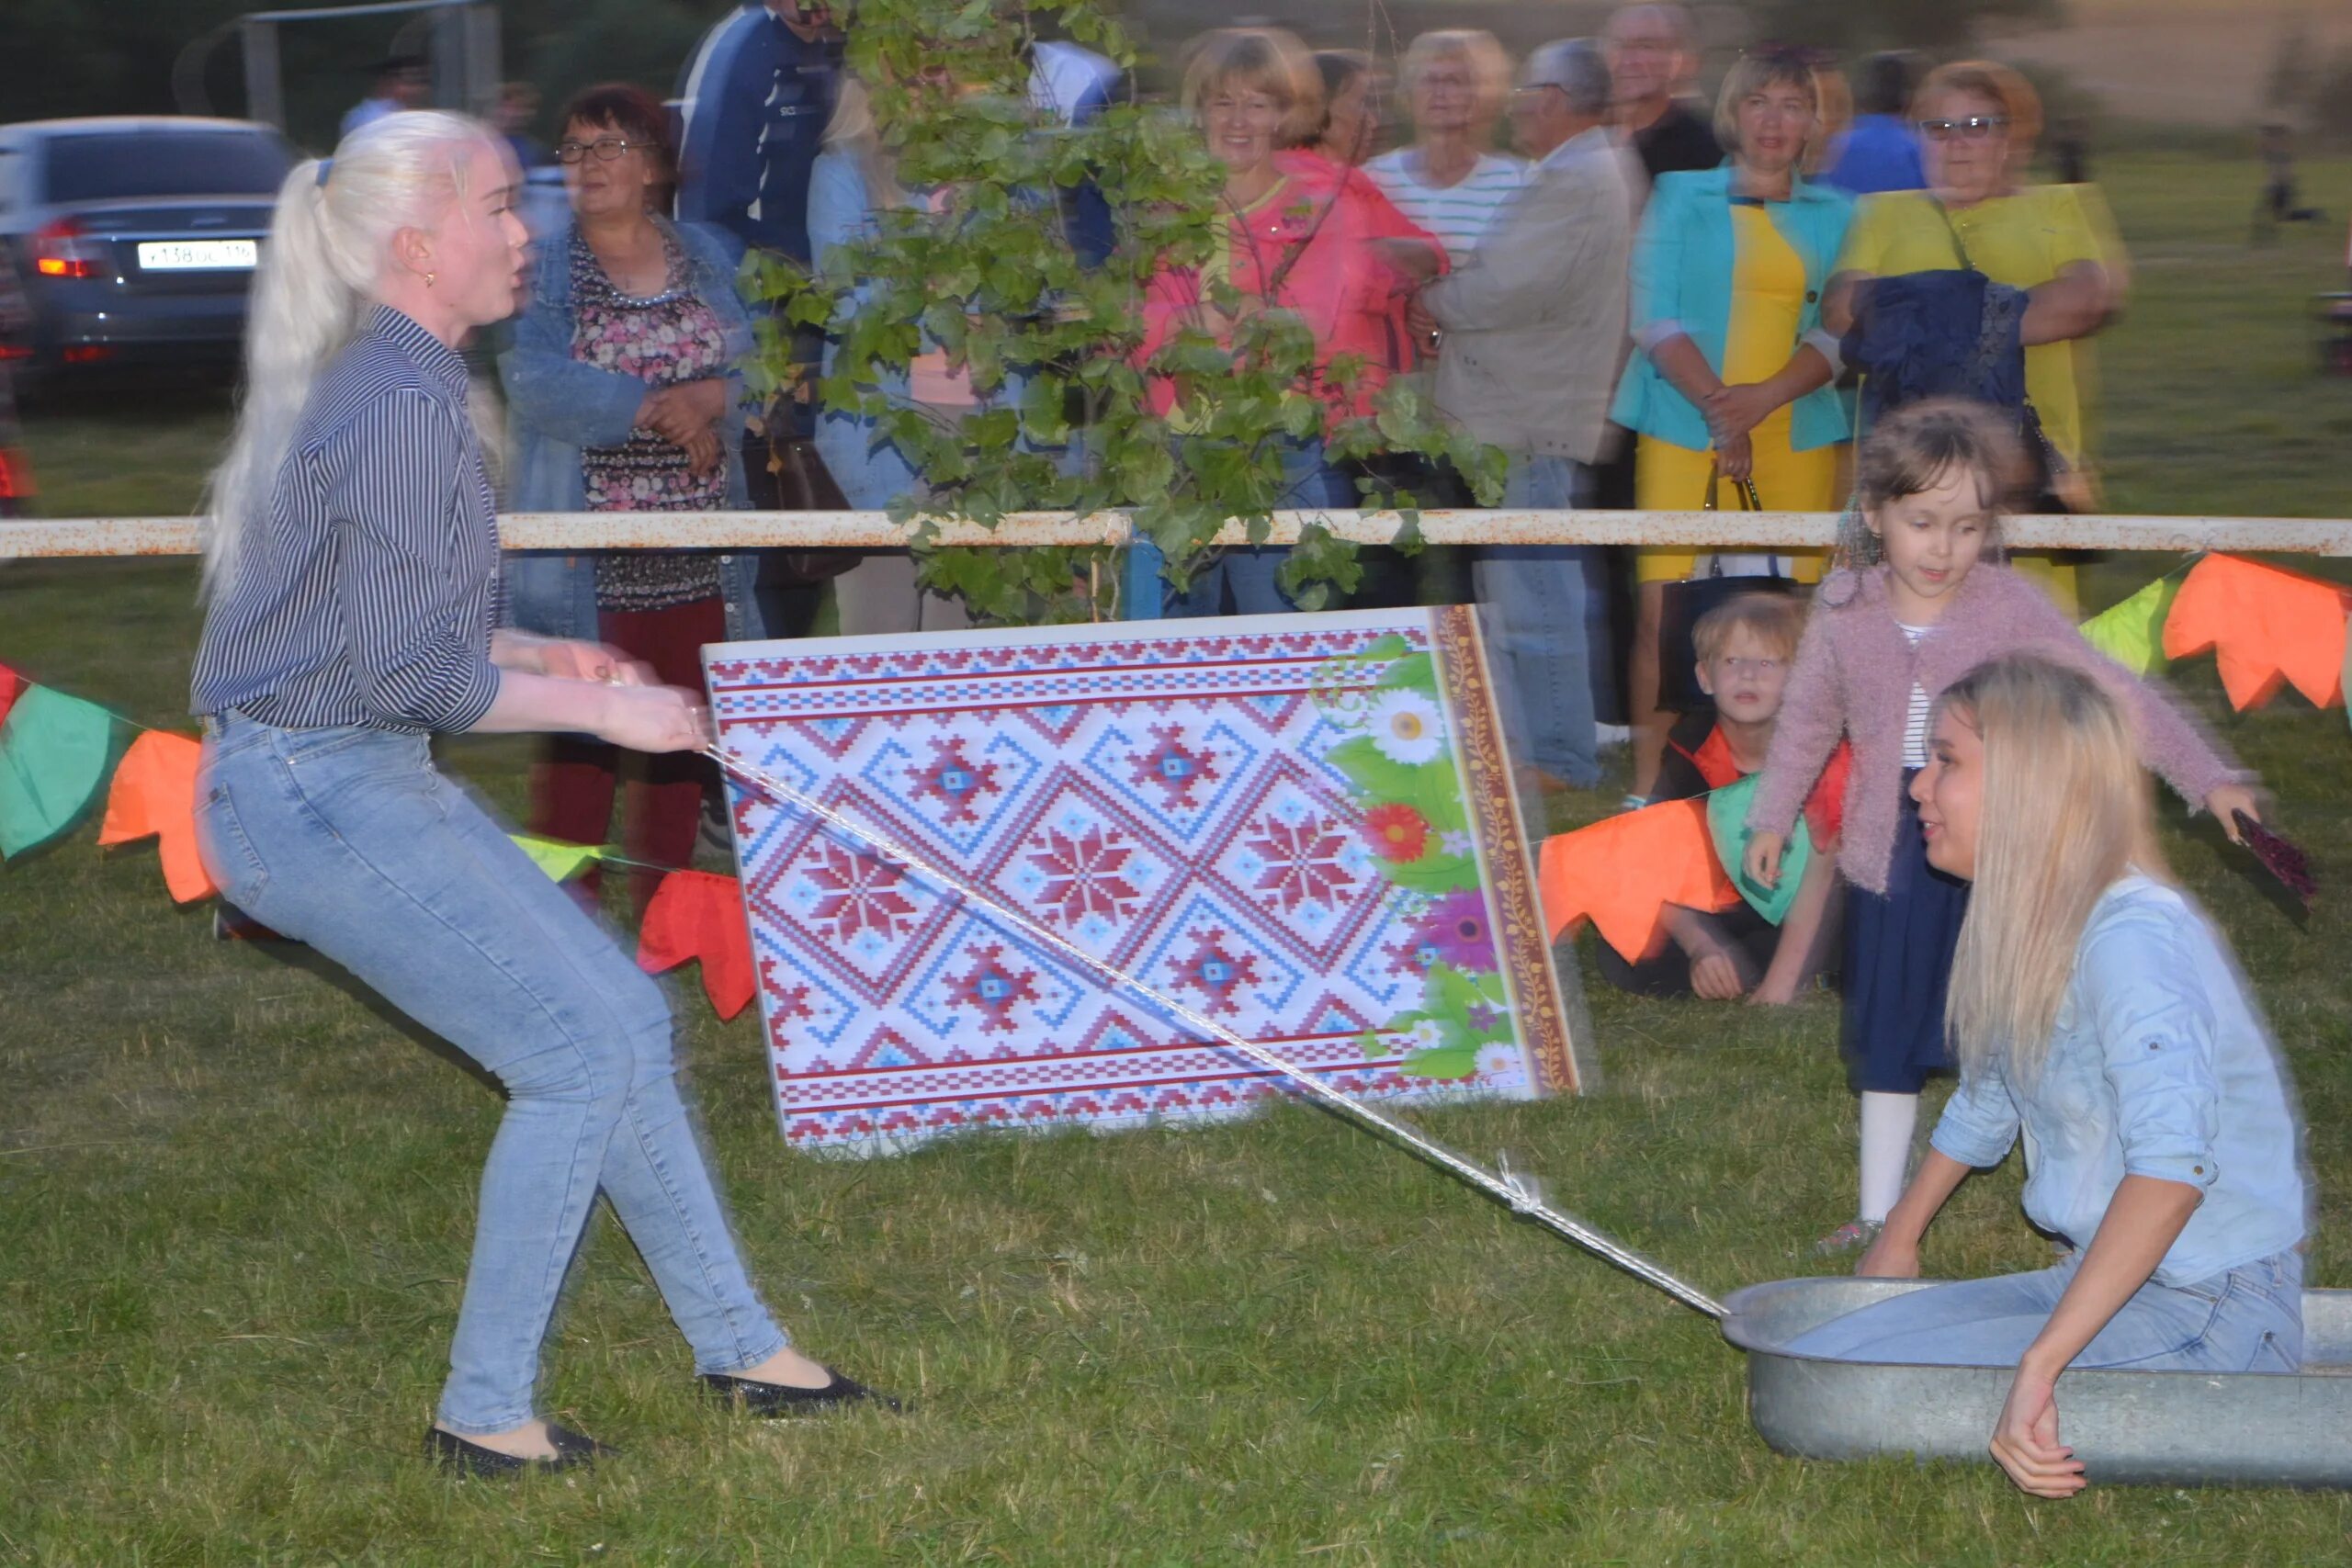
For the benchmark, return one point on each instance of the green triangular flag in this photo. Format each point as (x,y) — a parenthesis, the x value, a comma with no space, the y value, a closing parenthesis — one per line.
(53,754)
(1728,826)
(2132,633)
(560,860)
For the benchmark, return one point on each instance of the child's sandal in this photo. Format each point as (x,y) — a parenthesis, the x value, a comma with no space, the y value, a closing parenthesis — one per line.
(1854,1236)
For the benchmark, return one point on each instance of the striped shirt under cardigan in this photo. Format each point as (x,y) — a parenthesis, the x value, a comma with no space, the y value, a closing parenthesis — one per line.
(1458,214)
(368,593)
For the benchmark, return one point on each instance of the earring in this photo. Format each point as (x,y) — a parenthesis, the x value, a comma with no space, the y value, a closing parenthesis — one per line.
(428,281)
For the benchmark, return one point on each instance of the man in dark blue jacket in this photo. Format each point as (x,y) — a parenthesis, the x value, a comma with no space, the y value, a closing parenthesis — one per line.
(754,103)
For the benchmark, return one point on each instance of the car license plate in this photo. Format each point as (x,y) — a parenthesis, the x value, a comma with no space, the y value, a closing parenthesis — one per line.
(199,255)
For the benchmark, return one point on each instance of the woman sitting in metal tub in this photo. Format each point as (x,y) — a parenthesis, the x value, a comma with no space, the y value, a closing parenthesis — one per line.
(2093,1007)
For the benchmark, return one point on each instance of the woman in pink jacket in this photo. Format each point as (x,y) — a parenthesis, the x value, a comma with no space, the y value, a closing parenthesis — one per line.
(1297,233)
(1918,606)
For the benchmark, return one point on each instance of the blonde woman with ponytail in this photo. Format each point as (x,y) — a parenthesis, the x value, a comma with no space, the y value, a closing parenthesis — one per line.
(2093,1009)
(351,573)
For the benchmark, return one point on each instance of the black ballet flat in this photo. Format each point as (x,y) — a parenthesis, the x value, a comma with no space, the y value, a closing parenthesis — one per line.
(470,1461)
(774,1401)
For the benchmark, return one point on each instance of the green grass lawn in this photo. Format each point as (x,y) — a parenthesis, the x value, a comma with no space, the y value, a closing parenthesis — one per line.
(235,1197)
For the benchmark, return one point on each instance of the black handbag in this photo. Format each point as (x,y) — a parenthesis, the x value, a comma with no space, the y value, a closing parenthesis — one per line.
(1685,602)
(2053,487)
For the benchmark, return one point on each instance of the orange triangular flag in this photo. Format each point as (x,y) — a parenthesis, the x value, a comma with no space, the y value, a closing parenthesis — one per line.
(2266,628)
(1621,873)
(694,914)
(154,792)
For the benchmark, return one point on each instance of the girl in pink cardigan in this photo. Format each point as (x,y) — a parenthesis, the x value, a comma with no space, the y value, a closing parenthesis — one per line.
(1916,606)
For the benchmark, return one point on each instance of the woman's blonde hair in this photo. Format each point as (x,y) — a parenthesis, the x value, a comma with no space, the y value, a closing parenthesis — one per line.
(1754,72)
(1476,48)
(1773,620)
(1994,82)
(1264,59)
(854,134)
(2063,811)
(1912,449)
(330,239)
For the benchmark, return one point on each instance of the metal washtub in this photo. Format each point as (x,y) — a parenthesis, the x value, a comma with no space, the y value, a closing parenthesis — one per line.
(2150,1428)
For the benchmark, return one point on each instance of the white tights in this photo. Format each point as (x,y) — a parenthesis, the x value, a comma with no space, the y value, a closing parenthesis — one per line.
(1887,1123)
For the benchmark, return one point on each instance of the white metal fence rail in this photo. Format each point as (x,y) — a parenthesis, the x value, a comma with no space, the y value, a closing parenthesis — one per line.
(85,537)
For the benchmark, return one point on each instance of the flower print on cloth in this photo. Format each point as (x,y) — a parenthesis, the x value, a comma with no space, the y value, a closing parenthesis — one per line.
(1407,726)
(1405,775)
(1285,824)
(1398,831)
(1455,931)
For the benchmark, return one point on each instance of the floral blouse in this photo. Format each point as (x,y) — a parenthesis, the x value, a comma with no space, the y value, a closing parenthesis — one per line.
(664,339)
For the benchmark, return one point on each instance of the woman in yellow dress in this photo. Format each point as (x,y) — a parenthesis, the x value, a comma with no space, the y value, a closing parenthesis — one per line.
(1977,123)
(1732,373)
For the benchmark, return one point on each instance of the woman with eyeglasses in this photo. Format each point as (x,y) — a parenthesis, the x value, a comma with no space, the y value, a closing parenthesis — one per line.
(624,394)
(1297,234)
(1977,124)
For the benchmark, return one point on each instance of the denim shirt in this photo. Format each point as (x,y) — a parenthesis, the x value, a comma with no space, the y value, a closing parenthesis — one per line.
(871,471)
(2157,1066)
(556,405)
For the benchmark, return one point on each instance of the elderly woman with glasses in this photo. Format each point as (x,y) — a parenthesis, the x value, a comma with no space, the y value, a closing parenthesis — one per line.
(624,394)
(1977,123)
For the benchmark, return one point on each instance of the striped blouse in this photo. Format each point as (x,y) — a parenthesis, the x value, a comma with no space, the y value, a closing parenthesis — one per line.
(1458,214)
(368,595)
(1914,716)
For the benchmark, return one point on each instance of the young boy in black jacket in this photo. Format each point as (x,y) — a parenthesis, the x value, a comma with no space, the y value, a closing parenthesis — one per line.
(1745,646)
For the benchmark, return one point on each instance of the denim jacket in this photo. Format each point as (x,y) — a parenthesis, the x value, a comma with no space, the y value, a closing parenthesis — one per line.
(2157,1066)
(556,405)
(1684,259)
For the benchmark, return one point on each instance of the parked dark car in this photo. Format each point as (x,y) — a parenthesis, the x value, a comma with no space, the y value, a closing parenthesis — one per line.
(136,239)
(15,471)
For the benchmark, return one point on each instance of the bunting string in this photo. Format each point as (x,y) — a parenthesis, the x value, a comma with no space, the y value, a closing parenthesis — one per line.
(56,751)
(2268,628)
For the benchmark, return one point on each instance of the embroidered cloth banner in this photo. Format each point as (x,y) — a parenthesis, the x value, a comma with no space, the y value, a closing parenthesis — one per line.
(1299,826)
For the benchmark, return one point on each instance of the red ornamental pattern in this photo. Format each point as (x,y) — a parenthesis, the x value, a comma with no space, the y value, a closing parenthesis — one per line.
(1083,874)
(954,782)
(994,987)
(1302,861)
(1216,973)
(1173,768)
(860,894)
(1163,799)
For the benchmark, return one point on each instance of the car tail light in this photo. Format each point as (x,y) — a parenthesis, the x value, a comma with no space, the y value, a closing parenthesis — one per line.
(15,351)
(62,250)
(87,353)
(16,476)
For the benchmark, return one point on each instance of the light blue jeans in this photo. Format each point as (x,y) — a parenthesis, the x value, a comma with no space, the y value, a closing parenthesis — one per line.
(1310,483)
(2248,1320)
(1537,600)
(349,839)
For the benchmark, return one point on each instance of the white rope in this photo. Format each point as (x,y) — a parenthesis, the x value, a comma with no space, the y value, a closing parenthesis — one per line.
(1516,1191)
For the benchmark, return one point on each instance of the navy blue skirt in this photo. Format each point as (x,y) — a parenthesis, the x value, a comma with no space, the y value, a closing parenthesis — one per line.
(1898,960)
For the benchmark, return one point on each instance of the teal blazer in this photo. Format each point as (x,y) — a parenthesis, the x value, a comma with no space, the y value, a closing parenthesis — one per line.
(1682,272)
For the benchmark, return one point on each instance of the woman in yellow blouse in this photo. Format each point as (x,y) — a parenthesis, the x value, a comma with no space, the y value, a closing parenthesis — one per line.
(1978,121)
(1731,372)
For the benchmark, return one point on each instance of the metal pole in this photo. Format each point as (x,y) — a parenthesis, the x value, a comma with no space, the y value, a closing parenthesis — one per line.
(1517,1192)
(264,100)
(875,530)
(485,67)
